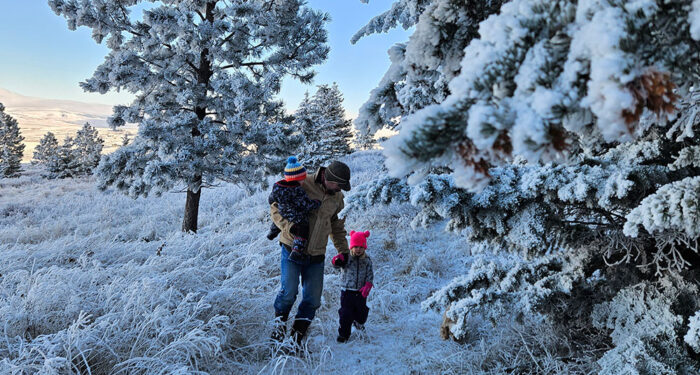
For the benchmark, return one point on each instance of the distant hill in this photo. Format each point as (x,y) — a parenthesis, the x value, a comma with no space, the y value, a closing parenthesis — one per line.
(36,116)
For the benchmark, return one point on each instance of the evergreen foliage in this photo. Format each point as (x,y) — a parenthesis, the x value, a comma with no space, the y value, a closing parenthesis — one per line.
(421,68)
(541,78)
(87,150)
(11,146)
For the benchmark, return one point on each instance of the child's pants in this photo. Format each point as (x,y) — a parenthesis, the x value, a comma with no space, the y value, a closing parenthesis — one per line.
(353,308)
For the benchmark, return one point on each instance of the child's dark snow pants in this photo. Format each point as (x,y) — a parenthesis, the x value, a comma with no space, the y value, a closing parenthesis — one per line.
(353,308)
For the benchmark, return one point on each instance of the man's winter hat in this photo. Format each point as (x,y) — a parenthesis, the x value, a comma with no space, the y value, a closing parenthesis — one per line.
(339,172)
(294,171)
(358,239)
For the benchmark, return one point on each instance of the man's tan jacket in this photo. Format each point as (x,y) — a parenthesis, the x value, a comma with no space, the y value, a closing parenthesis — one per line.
(323,222)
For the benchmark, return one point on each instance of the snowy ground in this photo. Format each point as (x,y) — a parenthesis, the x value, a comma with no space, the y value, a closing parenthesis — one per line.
(97,280)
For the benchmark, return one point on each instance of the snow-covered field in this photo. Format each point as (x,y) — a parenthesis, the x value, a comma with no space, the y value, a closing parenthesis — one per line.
(96,282)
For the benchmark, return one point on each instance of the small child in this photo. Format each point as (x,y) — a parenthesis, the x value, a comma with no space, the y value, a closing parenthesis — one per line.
(356,283)
(294,205)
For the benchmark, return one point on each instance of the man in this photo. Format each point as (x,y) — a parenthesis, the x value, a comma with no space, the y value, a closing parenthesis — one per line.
(325,185)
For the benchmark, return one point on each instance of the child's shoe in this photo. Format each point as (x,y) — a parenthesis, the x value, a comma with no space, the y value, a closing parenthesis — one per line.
(341,339)
(272,234)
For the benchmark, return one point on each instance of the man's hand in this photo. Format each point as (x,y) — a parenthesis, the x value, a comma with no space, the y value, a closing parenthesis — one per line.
(339,260)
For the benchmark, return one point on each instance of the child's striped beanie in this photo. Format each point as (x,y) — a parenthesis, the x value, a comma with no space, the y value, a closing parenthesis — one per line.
(294,171)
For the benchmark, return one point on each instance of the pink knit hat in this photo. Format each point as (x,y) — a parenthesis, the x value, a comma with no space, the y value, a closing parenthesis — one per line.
(358,239)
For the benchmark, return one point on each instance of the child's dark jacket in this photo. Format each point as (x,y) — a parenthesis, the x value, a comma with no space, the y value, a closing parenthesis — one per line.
(293,202)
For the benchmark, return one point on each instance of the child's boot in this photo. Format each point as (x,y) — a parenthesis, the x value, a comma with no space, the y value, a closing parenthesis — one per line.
(297,254)
(273,232)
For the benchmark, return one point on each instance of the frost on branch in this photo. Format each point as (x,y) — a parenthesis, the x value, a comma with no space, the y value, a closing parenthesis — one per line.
(421,67)
(692,338)
(687,157)
(644,330)
(673,208)
(495,286)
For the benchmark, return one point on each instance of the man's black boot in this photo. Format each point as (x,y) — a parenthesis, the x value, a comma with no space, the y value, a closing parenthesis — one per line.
(298,333)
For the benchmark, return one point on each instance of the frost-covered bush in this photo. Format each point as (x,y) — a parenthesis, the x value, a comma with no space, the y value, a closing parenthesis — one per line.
(645,330)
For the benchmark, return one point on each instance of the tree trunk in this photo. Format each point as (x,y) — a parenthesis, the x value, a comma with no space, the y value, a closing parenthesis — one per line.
(204,73)
(189,223)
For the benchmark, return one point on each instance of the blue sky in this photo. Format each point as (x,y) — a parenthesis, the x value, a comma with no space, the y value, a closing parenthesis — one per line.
(40,57)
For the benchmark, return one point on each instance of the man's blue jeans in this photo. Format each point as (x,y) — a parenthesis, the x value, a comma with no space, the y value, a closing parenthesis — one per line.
(311,275)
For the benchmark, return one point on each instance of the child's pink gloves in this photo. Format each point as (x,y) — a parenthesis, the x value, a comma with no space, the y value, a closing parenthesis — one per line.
(339,260)
(365,289)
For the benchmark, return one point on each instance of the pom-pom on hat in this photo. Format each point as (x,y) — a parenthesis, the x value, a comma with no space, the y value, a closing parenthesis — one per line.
(358,239)
(294,171)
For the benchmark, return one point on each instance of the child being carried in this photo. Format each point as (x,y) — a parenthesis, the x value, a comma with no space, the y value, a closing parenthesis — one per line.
(295,206)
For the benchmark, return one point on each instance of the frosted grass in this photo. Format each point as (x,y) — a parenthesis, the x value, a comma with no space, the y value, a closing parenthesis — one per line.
(96,282)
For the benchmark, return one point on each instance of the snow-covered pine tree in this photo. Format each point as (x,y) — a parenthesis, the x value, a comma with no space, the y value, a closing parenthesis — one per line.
(205,74)
(11,146)
(63,162)
(77,156)
(364,141)
(321,119)
(606,244)
(304,120)
(46,150)
(87,150)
